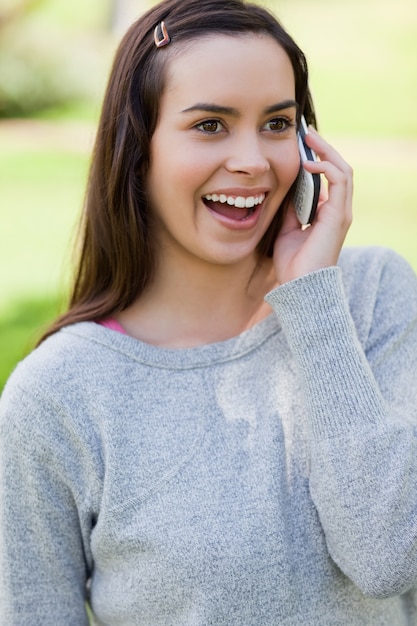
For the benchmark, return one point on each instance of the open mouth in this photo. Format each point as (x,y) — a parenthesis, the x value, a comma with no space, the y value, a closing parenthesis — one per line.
(238,208)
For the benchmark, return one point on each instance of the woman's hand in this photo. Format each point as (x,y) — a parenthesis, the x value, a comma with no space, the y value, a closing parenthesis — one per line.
(298,252)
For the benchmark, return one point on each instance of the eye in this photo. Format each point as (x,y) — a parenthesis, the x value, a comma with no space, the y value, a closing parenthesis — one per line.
(279,124)
(211,127)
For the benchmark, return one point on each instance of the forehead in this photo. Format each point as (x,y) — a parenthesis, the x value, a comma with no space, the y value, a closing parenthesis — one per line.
(224,66)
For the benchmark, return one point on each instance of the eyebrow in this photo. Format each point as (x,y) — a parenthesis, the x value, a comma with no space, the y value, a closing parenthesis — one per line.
(209,107)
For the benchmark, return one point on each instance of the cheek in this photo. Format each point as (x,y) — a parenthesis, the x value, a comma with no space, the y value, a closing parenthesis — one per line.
(181,171)
(195,160)
(288,164)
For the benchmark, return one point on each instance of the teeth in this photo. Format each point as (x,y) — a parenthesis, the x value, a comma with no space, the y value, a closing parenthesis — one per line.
(239,202)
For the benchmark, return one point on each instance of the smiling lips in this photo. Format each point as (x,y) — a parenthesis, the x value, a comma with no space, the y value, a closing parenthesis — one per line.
(233,207)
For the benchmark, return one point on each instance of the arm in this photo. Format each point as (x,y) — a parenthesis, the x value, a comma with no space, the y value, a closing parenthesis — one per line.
(42,565)
(361,400)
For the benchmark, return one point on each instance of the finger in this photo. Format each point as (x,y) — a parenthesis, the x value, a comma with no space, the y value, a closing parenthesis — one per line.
(324,194)
(333,173)
(325,151)
(340,187)
(290,221)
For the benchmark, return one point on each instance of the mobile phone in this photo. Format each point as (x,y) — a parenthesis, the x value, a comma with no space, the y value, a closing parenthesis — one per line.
(307,190)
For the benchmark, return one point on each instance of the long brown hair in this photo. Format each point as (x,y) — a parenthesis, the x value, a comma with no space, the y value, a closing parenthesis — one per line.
(116,255)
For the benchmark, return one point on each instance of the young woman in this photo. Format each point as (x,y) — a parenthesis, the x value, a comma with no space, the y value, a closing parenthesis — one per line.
(222,429)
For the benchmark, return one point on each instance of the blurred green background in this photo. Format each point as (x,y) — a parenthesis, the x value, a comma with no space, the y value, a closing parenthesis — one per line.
(54,59)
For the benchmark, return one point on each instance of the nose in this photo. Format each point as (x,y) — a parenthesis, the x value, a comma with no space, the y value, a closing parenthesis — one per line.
(247,155)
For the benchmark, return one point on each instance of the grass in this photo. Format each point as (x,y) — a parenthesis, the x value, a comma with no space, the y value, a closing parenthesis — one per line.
(40,194)
(363,64)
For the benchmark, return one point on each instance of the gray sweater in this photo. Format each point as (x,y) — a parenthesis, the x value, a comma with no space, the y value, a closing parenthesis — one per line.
(270,479)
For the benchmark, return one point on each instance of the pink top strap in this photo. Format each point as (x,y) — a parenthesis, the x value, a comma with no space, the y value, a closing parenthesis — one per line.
(113,325)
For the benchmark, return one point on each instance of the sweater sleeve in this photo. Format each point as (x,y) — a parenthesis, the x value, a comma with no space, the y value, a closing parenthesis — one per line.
(43,570)
(361,401)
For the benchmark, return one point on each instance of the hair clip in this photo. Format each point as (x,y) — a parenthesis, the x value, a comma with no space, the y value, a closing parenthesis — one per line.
(161,39)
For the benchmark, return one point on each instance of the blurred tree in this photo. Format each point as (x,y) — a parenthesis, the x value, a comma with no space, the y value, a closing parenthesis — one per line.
(124,12)
(12,13)
(40,64)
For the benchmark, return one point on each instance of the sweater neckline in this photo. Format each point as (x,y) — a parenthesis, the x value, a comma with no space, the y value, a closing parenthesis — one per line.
(178,358)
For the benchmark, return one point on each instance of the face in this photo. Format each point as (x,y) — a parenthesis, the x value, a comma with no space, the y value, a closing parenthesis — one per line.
(224,153)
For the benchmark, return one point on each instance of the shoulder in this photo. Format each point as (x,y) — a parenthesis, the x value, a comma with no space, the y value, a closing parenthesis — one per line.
(380,286)
(62,376)
(370,269)
(371,261)
(64,354)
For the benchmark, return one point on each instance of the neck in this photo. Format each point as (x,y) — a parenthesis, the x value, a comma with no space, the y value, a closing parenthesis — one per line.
(186,307)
